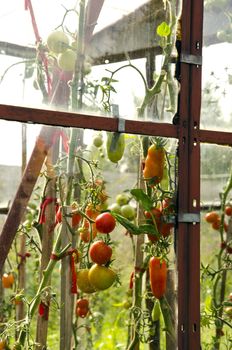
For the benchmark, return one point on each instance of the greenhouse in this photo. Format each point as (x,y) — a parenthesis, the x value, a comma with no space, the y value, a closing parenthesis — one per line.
(116,175)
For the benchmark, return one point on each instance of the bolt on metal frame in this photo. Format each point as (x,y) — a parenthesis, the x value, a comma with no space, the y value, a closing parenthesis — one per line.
(189,135)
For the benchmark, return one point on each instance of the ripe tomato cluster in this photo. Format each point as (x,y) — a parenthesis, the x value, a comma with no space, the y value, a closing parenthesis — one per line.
(214,219)
(160,217)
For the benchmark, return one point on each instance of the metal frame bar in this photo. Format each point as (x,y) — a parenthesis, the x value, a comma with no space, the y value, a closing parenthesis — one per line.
(188,238)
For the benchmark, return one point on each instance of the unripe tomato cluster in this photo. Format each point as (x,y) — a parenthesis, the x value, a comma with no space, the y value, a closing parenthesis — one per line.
(63,48)
(122,206)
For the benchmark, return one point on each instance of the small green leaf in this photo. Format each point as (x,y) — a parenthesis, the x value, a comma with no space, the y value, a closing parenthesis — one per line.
(143,198)
(208,304)
(163,29)
(156,312)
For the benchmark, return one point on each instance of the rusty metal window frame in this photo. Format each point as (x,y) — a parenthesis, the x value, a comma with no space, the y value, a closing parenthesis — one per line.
(189,136)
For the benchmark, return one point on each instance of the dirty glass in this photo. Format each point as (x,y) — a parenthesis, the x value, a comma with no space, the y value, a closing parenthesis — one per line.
(89,55)
(217,69)
(216,248)
(57,182)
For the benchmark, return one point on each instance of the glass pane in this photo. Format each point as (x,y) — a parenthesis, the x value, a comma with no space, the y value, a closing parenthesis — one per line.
(93,209)
(90,56)
(217,68)
(216,247)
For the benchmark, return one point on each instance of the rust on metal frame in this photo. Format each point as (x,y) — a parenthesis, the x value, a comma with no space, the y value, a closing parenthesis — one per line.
(189,180)
(78,120)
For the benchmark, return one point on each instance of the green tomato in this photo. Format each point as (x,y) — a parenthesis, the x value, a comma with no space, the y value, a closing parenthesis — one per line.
(128,211)
(98,141)
(57,41)
(67,60)
(156,312)
(115,208)
(122,199)
(101,277)
(115,146)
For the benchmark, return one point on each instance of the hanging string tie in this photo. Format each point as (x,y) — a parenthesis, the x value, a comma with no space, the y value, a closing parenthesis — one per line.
(46,201)
(44,310)
(28,6)
(64,138)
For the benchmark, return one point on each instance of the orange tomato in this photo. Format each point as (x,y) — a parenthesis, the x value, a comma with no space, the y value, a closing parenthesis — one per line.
(228,210)
(212,217)
(158,276)
(7,280)
(154,164)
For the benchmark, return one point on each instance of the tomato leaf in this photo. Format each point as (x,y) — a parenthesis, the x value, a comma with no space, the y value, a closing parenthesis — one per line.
(163,29)
(148,228)
(134,229)
(143,198)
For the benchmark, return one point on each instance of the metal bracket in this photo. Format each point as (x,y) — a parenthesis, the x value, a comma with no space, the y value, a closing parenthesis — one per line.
(191,59)
(121,121)
(188,217)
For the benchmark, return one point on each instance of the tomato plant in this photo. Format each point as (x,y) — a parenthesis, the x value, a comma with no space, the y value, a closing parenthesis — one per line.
(100,252)
(105,223)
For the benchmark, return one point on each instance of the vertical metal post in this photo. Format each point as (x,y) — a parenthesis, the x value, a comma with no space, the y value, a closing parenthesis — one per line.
(189,178)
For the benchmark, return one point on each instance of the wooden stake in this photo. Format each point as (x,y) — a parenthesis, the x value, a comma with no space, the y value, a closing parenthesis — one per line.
(24,192)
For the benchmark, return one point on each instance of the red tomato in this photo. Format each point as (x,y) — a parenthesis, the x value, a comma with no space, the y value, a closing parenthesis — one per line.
(168,205)
(82,303)
(82,312)
(154,212)
(212,217)
(105,223)
(91,212)
(76,219)
(228,210)
(100,252)
(216,224)
(152,238)
(85,234)
(158,276)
